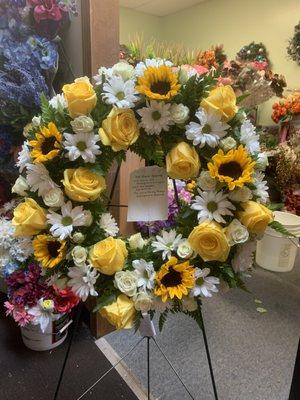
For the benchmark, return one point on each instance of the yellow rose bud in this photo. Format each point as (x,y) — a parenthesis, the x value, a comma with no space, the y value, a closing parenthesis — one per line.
(29,218)
(121,313)
(183,162)
(209,241)
(108,256)
(120,129)
(256,217)
(83,185)
(222,100)
(80,96)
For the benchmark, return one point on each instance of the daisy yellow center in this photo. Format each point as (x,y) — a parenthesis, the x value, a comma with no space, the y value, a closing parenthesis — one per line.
(156,115)
(160,87)
(232,169)
(172,278)
(53,248)
(66,221)
(206,128)
(120,95)
(212,206)
(200,281)
(48,145)
(81,146)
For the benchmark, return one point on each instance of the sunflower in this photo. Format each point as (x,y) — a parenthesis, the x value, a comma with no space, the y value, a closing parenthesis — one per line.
(47,144)
(48,250)
(235,168)
(174,280)
(158,83)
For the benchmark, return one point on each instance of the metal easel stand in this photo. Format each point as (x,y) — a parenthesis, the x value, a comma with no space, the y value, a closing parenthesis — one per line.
(148,333)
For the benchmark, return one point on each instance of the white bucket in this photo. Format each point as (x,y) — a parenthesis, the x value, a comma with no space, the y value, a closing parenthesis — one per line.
(54,335)
(276,252)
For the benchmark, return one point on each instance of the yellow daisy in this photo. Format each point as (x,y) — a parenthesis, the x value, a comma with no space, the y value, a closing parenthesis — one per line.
(47,144)
(174,280)
(235,168)
(48,250)
(158,83)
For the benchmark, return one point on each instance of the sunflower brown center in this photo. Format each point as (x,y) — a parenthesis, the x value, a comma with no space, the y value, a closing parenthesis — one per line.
(53,248)
(160,87)
(172,278)
(231,169)
(48,145)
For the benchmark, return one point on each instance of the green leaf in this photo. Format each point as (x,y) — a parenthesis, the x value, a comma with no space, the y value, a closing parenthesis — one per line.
(239,99)
(104,300)
(278,227)
(275,206)
(162,319)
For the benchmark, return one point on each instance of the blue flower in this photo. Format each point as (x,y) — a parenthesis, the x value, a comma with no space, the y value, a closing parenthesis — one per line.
(44,51)
(9,268)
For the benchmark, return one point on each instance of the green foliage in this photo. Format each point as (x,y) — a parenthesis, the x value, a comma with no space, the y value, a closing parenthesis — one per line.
(106,296)
(196,315)
(137,321)
(278,227)
(148,148)
(275,206)
(162,319)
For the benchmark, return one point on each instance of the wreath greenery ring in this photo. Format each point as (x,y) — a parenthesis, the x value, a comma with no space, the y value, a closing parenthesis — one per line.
(171,117)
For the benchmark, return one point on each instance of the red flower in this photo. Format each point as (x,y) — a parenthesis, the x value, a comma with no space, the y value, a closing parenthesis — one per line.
(65,300)
(46,9)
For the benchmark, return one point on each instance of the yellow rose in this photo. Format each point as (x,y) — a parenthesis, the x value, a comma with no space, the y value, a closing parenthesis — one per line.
(183,162)
(121,313)
(108,255)
(29,218)
(120,129)
(209,241)
(223,100)
(83,185)
(80,96)
(255,217)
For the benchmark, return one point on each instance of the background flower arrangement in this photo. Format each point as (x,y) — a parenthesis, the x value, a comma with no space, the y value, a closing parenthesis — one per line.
(173,117)
(293,48)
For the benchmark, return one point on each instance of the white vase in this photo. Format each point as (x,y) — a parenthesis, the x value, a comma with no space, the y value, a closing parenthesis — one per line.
(54,335)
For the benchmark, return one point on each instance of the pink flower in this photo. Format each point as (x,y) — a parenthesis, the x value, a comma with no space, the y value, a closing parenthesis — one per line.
(223,81)
(9,308)
(46,9)
(201,70)
(21,317)
(260,65)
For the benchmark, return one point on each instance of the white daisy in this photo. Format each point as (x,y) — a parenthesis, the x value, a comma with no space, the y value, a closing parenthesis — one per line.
(249,137)
(212,205)
(209,131)
(83,144)
(42,313)
(156,117)
(58,101)
(150,62)
(145,273)
(64,223)
(23,157)
(103,73)
(204,284)
(168,242)
(261,187)
(39,180)
(108,224)
(119,93)
(82,281)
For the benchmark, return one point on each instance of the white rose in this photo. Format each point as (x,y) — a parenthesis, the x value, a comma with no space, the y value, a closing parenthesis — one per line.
(20,187)
(262,161)
(179,113)
(79,255)
(78,237)
(82,124)
(184,250)
(228,143)
(54,198)
(206,182)
(136,241)
(242,194)
(236,233)
(88,217)
(143,302)
(36,121)
(124,70)
(126,282)
(189,304)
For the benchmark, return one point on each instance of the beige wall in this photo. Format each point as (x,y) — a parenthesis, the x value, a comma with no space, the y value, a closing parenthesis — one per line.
(132,22)
(233,23)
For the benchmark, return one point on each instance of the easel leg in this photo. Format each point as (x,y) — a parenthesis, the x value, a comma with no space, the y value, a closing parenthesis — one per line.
(75,326)
(148,367)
